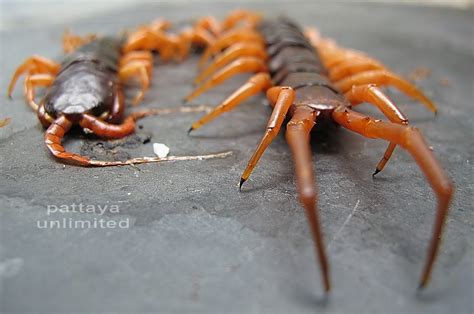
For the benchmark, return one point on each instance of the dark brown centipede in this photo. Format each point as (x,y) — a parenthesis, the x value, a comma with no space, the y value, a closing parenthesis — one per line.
(86,89)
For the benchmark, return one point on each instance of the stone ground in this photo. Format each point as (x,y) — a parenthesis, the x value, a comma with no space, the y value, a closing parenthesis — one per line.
(194,243)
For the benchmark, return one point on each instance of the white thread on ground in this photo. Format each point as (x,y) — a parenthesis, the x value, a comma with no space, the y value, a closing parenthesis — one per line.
(344,224)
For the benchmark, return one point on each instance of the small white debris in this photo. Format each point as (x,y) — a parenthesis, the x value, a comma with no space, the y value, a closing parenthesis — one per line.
(161,150)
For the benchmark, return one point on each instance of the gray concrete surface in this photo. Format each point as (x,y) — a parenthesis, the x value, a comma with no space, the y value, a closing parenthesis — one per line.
(194,243)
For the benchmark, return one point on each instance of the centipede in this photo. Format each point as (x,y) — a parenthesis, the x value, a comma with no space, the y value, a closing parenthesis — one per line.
(310,80)
(87,89)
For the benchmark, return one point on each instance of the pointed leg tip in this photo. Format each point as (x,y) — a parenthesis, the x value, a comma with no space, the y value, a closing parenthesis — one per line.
(375,172)
(242,180)
(327,290)
(190,130)
(421,287)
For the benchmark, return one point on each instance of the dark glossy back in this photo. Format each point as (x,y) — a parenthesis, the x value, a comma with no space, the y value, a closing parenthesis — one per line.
(87,80)
(294,62)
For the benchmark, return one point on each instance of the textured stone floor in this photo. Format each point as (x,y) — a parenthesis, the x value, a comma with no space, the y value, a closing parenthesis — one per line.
(191,242)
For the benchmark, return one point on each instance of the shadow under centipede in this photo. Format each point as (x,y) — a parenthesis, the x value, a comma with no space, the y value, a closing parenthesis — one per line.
(233,134)
(325,139)
(302,295)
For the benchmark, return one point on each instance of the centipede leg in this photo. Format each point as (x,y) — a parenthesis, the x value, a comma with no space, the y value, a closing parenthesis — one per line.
(145,56)
(146,39)
(33,65)
(192,36)
(230,54)
(297,136)
(141,70)
(257,83)
(333,56)
(159,25)
(53,137)
(211,24)
(202,37)
(71,42)
(229,39)
(242,65)
(381,78)
(250,18)
(353,66)
(410,139)
(33,81)
(372,94)
(282,98)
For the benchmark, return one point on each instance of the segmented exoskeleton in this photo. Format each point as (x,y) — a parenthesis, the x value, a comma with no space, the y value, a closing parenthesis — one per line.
(312,80)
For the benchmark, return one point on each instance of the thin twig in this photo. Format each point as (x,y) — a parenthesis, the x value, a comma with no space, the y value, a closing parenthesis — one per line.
(143,160)
(344,224)
(163,111)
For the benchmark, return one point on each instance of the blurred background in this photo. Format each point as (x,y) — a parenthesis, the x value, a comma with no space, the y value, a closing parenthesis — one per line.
(31,13)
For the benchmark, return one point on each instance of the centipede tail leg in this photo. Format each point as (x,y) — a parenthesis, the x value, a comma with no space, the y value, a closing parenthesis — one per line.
(53,137)
(242,65)
(282,98)
(297,135)
(108,130)
(45,118)
(372,94)
(410,139)
(257,83)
